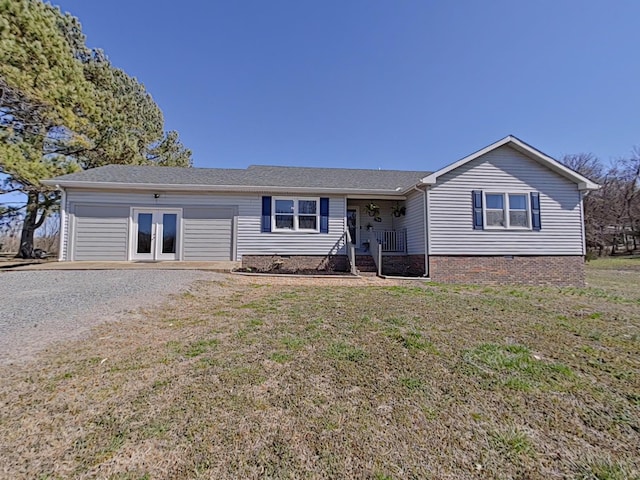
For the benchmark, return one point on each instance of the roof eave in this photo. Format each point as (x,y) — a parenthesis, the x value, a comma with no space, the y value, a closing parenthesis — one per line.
(215,188)
(588,186)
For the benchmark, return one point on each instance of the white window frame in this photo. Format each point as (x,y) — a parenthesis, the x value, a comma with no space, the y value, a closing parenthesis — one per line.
(296,214)
(506,209)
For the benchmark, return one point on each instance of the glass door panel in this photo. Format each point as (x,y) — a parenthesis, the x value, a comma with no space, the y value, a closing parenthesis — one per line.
(169,226)
(145,232)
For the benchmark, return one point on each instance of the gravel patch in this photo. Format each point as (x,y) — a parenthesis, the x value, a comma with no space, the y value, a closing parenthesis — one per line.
(39,308)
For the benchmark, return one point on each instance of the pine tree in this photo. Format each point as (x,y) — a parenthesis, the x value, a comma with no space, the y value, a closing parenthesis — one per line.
(64,107)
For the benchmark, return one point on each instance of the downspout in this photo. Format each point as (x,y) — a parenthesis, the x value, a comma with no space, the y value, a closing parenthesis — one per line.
(424,225)
(63,218)
(582,230)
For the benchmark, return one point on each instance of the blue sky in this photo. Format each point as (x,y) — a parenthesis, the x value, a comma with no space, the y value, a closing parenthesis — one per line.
(379,84)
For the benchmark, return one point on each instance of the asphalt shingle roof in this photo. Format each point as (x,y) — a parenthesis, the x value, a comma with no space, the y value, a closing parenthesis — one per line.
(253,176)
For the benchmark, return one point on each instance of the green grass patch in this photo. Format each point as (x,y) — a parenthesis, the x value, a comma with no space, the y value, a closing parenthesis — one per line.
(344,351)
(516,367)
(201,346)
(512,442)
(407,291)
(606,469)
(413,341)
(412,384)
(293,342)
(280,357)
(254,322)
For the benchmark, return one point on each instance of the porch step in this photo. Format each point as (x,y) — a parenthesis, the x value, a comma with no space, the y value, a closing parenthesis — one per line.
(365,264)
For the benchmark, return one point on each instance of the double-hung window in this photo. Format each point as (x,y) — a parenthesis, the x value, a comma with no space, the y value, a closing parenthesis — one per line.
(507,210)
(296,214)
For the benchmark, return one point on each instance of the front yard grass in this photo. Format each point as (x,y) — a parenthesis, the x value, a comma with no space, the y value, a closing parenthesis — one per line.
(256,378)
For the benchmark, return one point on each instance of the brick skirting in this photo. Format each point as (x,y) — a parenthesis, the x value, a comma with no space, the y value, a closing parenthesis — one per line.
(523,270)
(296,263)
(403,265)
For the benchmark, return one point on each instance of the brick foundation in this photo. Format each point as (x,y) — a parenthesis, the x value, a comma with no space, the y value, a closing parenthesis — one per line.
(403,265)
(500,270)
(296,263)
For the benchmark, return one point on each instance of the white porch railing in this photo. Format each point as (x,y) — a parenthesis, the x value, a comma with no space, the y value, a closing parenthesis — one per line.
(391,241)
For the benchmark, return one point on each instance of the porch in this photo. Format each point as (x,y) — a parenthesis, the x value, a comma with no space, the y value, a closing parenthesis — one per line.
(377,224)
(377,232)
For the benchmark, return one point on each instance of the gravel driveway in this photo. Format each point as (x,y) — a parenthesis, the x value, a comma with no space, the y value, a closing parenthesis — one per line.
(38,308)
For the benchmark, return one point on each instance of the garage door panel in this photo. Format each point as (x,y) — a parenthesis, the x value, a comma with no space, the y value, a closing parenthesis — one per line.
(207,234)
(101,232)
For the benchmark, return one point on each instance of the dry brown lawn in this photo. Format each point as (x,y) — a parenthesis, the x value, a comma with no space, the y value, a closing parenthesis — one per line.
(273,378)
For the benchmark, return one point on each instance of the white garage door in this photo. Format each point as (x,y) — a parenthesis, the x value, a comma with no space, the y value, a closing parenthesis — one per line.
(100,233)
(207,233)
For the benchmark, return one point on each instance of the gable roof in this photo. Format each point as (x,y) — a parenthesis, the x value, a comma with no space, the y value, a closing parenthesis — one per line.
(261,178)
(583,182)
(253,178)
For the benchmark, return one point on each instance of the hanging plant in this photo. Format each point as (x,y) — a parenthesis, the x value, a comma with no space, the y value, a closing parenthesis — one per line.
(372,209)
(399,211)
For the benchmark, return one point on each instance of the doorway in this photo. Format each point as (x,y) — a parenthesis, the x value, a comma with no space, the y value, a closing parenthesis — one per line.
(155,234)
(353,224)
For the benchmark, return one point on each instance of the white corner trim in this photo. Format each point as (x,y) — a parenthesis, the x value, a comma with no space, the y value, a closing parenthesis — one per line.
(63,218)
(234,241)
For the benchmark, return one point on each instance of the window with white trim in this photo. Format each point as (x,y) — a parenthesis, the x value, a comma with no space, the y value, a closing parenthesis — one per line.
(296,214)
(507,210)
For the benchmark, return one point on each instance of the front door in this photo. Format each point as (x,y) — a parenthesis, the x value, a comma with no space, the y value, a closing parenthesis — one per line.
(353,224)
(155,234)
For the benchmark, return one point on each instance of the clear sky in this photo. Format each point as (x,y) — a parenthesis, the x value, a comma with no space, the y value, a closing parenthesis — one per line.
(379,84)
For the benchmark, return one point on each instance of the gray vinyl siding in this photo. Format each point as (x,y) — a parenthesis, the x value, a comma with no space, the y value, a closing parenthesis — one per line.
(100,232)
(247,217)
(413,222)
(504,170)
(251,241)
(207,233)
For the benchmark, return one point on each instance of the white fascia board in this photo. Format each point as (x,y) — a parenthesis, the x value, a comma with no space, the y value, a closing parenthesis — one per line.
(415,186)
(549,162)
(379,196)
(215,188)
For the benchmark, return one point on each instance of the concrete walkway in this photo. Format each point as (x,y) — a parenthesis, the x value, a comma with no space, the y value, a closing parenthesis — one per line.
(22,265)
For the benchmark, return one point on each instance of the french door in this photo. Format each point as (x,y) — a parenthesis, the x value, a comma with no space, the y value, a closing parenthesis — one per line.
(156,233)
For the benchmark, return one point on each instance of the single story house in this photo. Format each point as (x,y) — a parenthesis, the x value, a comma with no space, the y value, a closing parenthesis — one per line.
(505,214)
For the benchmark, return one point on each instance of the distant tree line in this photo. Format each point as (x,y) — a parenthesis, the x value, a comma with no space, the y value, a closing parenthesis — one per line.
(65,107)
(612,214)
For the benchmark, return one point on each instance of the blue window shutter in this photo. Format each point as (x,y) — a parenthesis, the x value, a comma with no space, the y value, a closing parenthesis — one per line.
(266,214)
(476,197)
(324,215)
(535,211)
